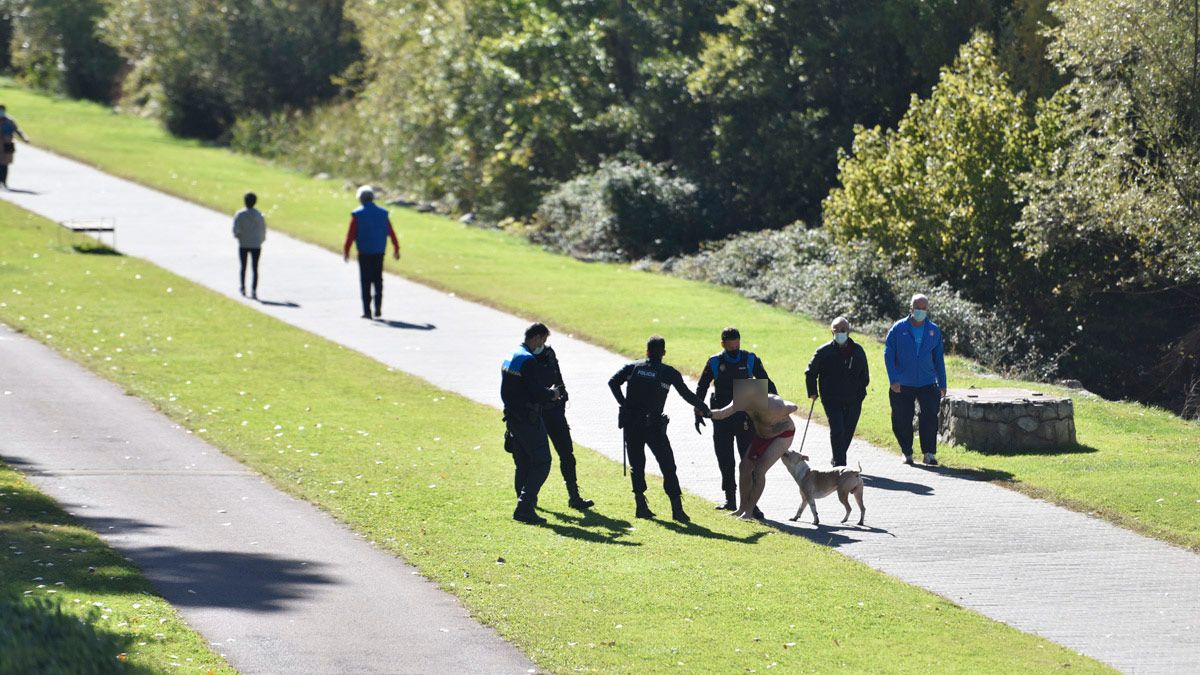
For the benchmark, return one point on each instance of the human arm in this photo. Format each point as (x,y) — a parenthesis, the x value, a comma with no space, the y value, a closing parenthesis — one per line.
(760,372)
(866,369)
(706,379)
(810,375)
(395,242)
(237,225)
(537,390)
(890,346)
(350,235)
(939,363)
(552,356)
(615,382)
(687,394)
(728,411)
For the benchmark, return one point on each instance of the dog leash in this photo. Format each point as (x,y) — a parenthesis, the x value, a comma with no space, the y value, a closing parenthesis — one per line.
(802,438)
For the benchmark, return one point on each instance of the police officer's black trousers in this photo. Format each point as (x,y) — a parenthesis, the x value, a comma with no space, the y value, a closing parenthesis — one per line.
(843,420)
(555,419)
(531,456)
(725,433)
(638,436)
(370,274)
(903,408)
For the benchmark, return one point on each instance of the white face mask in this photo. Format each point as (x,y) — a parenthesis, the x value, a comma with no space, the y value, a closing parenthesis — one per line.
(841,338)
(539,350)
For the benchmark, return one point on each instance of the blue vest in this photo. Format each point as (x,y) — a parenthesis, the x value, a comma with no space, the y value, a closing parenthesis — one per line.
(372,234)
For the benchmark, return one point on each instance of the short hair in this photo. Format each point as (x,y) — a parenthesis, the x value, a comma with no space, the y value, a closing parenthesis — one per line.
(916,297)
(366,194)
(730,333)
(250,200)
(656,346)
(536,330)
(840,320)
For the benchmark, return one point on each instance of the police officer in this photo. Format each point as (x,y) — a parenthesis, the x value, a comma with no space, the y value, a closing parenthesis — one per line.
(524,393)
(720,371)
(554,416)
(642,417)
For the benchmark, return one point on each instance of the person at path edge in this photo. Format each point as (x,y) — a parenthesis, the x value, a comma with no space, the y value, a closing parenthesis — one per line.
(8,149)
(649,383)
(838,373)
(721,370)
(250,229)
(916,368)
(525,394)
(370,229)
(554,416)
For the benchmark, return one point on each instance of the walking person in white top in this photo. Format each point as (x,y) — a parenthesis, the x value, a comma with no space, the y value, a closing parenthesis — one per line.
(250,229)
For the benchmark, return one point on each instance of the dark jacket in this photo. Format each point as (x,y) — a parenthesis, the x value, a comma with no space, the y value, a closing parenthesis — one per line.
(552,374)
(522,388)
(649,383)
(722,369)
(840,376)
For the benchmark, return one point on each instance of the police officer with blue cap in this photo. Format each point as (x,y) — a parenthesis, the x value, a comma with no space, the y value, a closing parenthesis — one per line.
(732,363)
(524,393)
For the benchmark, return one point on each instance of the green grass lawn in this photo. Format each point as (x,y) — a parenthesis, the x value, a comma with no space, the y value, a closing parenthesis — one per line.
(422,473)
(1136,465)
(47,559)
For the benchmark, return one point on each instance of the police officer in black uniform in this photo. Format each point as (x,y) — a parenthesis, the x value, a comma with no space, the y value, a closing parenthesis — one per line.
(721,370)
(554,416)
(524,393)
(649,383)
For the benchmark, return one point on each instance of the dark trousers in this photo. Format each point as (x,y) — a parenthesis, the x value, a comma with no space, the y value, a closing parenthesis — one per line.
(253,254)
(3,174)
(903,407)
(725,433)
(843,419)
(370,273)
(555,419)
(531,457)
(639,435)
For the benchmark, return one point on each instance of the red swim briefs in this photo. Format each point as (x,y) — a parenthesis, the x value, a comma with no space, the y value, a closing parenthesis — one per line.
(758,445)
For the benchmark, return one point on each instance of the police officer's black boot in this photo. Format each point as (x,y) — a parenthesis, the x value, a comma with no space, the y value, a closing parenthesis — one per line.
(643,509)
(730,501)
(677,512)
(577,502)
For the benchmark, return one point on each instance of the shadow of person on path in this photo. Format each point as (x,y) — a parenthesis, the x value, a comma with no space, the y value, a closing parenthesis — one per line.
(19,191)
(881,483)
(825,535)
(969,473)
(575,527)
(278,303)
(404,325)
(695,529)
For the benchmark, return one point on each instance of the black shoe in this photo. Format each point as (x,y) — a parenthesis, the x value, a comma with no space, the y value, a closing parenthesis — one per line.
(580,503)
(680,516)
(366,316)
(931,459)
(529,518)
(759,514)
(378,312)
(242,290)
(254,294)
(727,506)
(643,509)
(908,459)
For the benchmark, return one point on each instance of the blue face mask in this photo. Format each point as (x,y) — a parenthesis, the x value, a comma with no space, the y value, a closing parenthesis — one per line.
(919,315)
(841,338)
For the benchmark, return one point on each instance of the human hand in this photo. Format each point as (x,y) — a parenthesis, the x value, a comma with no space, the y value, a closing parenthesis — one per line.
(345,257)
(896,388)
(699,423)
(396,254)
(812,397)
(555,393)
(943,393)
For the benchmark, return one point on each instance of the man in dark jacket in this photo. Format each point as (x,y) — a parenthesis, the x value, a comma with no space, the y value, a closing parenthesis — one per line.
(524,394)
(554,416)
(649,382)
(839,372)
(720,371)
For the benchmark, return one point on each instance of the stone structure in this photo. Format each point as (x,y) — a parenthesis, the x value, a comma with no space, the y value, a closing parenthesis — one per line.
(998,420)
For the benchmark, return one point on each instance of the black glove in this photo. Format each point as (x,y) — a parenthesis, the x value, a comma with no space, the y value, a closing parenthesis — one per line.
(621,417)
(699,423)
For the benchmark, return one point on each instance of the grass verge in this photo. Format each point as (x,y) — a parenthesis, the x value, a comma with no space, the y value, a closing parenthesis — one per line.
(71,604)
(1134,465)
(422,473)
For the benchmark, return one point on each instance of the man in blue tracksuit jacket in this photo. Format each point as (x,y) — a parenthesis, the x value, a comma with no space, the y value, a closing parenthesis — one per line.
(524,393)
(370,229)
(916,368)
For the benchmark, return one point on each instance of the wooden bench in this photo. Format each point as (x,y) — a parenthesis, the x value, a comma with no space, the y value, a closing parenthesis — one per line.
(92,226)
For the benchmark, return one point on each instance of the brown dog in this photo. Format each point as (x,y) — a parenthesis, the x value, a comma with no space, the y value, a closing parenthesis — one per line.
(817,483)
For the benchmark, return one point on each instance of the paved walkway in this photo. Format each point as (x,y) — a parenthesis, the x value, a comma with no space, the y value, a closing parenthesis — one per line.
(1124,599)
(274,583)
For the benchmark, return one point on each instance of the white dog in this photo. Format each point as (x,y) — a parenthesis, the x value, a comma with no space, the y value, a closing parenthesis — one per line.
(817,483)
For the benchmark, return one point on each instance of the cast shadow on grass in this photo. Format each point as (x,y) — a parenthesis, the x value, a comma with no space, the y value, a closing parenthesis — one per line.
(591,525)
(95,249)
(695,529)
(404,325)
(1073,449)
(881,483)
(278,303)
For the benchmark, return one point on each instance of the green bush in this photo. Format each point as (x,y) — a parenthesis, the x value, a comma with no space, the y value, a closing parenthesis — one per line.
(37,636)
(55,47)
(805,271)
(622,211)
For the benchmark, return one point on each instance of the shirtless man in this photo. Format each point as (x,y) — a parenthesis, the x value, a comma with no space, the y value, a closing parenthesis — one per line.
(771,417)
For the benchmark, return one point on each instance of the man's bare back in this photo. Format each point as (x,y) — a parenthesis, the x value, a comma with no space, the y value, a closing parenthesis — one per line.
(773,418)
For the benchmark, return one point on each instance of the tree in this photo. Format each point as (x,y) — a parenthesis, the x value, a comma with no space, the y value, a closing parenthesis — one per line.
(55,47)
